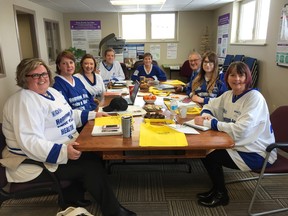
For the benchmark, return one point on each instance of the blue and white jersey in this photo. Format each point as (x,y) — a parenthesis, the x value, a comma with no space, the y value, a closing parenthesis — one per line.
(37,127)
(155,73)
(76,94)
(246,119)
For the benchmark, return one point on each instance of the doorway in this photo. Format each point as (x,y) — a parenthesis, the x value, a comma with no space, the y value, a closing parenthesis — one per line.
(26,32)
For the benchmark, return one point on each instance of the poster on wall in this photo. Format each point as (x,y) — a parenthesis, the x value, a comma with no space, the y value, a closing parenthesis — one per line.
(282,44)
(132,52)
(222,35)
(86,35)
(171,51)
(155,51)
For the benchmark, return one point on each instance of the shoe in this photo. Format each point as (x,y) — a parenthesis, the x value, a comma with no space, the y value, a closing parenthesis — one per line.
(81,203)
(219,198)
(206,195)
(126,212)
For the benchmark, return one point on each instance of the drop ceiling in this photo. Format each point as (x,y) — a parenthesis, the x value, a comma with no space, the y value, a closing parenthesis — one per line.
(88,6)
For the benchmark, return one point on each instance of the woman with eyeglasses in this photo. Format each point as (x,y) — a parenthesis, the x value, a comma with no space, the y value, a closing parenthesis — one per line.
(207,84)
(39,124)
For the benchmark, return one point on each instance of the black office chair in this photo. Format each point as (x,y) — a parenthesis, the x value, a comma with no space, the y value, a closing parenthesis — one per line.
(140,62)
(29,189)
(125,71)
(279,119)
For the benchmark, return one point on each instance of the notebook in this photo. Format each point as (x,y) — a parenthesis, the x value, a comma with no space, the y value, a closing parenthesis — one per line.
(191,123)
(131,98)
(107,126)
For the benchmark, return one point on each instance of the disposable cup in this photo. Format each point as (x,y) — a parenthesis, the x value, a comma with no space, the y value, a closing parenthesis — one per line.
(183,111)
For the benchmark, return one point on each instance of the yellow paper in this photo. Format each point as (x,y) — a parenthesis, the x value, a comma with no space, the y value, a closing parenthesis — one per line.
(190,110)
(107,120)
(154,135)
(157,92)
(174,82)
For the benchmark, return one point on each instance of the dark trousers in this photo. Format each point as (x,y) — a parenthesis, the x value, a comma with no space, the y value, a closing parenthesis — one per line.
(87,174)
(214,163)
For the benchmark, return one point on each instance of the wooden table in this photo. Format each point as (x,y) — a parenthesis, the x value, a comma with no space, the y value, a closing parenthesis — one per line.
(117,147)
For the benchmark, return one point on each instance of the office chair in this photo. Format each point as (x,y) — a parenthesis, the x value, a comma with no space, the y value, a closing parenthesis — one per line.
(185,70)
(125,70)
(253,66)
(279,119)
(238,58)
(140,62)
(29,189)
(228,60)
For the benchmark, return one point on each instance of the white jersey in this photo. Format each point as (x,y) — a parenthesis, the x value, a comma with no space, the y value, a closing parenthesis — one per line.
(96,89)
(36,126)
(246,119)
(114,73)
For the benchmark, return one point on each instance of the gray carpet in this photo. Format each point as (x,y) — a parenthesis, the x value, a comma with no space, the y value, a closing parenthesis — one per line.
(167,190)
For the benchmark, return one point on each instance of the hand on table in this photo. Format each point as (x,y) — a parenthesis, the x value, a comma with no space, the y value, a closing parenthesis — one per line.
(72,153)
(101,114)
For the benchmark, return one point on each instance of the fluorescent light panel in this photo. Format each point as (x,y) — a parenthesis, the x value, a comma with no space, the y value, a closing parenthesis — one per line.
(137,2)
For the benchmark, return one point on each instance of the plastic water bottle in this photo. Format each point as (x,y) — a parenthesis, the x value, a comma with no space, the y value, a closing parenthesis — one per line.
(174,107)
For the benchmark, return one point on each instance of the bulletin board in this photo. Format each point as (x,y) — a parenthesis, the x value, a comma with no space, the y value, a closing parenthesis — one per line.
(282,44)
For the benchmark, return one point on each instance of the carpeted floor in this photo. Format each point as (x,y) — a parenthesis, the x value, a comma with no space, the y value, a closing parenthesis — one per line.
(167,190)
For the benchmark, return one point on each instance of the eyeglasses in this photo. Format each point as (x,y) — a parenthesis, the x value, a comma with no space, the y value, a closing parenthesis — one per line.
(37,75)
(208,63)
(194,60)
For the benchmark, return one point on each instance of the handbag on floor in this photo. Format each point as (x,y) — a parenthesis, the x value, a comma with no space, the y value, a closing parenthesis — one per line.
(72,211)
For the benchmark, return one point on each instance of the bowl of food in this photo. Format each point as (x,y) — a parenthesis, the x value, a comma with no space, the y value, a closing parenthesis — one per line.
(149,98)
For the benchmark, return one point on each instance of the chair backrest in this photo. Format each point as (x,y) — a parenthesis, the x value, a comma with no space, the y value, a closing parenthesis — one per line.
(228,60)
(185,69)
(140,62)
(125,70)
(279,119)
(3,179)
(253,66)
(239,58)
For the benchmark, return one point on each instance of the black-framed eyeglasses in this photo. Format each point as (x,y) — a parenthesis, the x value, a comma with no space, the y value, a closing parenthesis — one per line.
(37,75)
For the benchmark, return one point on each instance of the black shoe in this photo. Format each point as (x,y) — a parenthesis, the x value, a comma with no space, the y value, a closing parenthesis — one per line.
(220,198)
(81,203)
(206,195)
(126,212)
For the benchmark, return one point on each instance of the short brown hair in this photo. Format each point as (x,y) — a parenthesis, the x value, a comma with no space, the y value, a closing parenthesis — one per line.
(66,54)
(26,66)
(241,68)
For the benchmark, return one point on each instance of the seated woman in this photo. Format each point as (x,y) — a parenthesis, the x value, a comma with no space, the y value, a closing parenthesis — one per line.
(92,81)
(109,68)
(150,71)
(39,124)
(72,88)
(207,84)
(242,113)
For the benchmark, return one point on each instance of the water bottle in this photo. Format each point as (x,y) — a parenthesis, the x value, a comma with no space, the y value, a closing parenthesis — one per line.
(174,107)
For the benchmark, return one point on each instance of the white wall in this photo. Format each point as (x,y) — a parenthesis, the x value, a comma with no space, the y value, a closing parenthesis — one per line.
(272,81)
(9,42)
(192,25)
